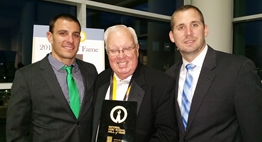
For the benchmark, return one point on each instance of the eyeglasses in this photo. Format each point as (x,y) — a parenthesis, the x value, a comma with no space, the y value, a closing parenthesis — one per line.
(128,50)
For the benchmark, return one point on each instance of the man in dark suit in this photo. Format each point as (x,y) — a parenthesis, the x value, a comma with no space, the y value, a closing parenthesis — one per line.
(151,89)
(40,107)
(225,103)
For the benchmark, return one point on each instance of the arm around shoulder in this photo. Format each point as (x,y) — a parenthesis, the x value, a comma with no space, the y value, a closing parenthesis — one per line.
(166,123)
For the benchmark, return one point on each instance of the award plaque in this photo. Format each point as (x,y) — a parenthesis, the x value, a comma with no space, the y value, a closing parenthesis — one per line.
(117,121)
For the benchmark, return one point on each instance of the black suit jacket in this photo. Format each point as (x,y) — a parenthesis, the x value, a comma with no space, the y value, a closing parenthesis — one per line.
(153,91)
(38,107)
(227,102)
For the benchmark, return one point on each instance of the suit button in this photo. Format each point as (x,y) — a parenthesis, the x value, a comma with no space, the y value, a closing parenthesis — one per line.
(77,122)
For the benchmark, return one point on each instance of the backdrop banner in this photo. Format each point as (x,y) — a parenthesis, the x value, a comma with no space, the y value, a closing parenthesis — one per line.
(91,48)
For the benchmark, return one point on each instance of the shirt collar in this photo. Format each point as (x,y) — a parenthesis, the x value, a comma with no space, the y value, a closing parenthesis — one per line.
(57,65)
(198,61)
(127,80)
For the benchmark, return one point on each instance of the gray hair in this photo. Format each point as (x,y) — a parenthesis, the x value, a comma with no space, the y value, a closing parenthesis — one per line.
(115,28)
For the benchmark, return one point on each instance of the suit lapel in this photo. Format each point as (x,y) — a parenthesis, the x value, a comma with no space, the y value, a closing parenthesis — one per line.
(204,82)
(177,68)
(136,92)
(102,84)
(101,93)
(87,99)
(52,83)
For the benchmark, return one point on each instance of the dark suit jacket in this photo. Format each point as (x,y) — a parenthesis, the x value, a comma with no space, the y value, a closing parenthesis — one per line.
(227,102)
(38,107)
(153,91)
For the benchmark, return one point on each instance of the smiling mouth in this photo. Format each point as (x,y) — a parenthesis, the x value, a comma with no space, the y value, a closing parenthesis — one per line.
(121,63)
(189,41)
(69,47)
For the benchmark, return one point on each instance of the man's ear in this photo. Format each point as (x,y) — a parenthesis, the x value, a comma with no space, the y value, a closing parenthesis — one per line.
(171,36)
(137,50)
(50,37)
(138,46)
(206,30)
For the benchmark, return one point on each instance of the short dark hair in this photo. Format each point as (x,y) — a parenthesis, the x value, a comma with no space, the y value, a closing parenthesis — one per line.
(184,8)
(62,16)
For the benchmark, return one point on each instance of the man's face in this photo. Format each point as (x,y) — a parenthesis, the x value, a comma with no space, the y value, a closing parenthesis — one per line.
(123,64)
(65,40)
(188,33)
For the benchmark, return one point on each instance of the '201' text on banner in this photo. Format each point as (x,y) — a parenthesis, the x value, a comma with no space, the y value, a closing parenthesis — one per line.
(91,48)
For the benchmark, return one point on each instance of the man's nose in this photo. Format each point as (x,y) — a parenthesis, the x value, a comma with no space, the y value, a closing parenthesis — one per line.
(121,53)
(70,38)
(188,31)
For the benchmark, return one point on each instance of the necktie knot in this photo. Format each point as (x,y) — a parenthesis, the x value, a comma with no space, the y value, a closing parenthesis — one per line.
(190,67)
(68,69)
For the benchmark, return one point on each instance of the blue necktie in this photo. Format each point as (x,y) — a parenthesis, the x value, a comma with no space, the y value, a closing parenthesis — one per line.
(187,94)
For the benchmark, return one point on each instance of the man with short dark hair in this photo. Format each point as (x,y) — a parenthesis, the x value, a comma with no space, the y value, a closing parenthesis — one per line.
(51,99)
(218,95)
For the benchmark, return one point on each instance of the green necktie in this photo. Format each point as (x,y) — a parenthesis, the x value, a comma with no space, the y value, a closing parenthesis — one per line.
(74,98)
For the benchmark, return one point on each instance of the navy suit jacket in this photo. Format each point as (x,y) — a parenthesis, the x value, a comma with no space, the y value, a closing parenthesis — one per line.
(227,102)
(153,91)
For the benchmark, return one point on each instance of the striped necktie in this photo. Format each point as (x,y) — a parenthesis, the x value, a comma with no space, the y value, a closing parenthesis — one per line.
(187,94)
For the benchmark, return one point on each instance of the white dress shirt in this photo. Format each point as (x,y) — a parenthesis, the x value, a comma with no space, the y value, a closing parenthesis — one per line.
(198,61)
(121,88)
